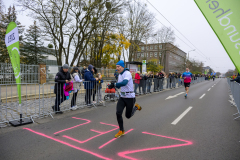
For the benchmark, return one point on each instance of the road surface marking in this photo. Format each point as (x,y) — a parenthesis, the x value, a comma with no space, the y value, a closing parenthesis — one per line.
(209,89)
(170,97)
(202,96)
(181,116)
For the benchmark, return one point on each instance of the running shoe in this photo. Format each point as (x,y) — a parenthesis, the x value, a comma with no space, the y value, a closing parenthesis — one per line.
(185,95)
(119,134)
(138,107)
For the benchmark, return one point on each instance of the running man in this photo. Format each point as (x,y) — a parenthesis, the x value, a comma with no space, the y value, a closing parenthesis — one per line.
(127,98)
(187,76)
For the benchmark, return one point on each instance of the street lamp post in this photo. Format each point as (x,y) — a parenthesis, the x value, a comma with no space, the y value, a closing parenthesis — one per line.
(187,58)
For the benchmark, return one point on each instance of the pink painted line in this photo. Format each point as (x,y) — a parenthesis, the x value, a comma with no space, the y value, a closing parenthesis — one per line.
(123,154)
(112,140)
(88,121)
(109,124)
(100,133)
(67,144)
(96,131)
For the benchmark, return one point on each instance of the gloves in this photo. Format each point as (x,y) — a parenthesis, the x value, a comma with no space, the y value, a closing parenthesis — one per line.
(112,85)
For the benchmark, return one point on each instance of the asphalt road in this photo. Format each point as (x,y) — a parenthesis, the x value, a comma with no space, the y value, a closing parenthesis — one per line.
(169,127)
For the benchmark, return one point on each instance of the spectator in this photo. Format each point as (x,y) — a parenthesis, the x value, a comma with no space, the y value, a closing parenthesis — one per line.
(161,77)
(149,81)
(144,79)
(137,81)
(99,87)
(95,85)
(237,79)
(141,83)
(156,84)
(116,75)
(76,86)
(170,80)
(89,83)
(83,71)
(62,77)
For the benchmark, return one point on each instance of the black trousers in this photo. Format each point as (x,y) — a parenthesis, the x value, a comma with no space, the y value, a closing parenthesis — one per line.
(88,96)
(60,97)
(73,102)
(130,109)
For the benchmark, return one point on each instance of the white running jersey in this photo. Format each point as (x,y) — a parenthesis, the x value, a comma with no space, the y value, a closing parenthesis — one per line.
(129,87)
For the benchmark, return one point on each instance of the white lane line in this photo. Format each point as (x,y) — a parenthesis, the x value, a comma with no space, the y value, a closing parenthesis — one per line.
(202,96)
(170,97)
(209,89)
(181,116)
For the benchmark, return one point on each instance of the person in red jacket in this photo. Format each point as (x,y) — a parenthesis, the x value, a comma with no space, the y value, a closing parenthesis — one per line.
(137,81)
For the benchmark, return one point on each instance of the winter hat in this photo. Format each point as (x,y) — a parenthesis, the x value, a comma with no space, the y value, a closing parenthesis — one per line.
(90,67)
(65,66)
(120,63)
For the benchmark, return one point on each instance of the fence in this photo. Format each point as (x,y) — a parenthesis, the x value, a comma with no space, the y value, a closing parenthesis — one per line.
(30,73)
(40,100)
(235,94)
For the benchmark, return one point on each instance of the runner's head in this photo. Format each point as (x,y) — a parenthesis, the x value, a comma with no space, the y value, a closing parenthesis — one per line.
(120,66)
(187,69)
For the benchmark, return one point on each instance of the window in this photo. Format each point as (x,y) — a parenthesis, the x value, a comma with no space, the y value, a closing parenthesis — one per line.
(142,48)
(151,47)
(147,47)
(160,46)
(156,54)
(147,55)
(156,47)
(142,55)
(151,54)
(138,55)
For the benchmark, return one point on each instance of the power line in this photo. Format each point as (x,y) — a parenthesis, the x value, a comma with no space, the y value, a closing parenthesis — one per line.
(177,30)
(165,26)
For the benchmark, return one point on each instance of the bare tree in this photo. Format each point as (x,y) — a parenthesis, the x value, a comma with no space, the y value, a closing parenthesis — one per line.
(69,24)
(165,35)
(140,23)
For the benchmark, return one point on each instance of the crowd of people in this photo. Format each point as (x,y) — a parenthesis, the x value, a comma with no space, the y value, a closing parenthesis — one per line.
(144,83)
(67,82)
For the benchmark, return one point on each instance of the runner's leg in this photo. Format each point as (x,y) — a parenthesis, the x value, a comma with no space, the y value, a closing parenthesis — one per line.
(120,108)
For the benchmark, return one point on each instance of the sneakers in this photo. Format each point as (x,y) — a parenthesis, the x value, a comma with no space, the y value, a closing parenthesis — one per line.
(119,134)
(185,95)
(138,107)
(94,102)
(73,108)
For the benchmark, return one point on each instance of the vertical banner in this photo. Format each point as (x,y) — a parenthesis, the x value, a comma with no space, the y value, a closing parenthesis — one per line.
(224,18)
(12,43)
(144,66)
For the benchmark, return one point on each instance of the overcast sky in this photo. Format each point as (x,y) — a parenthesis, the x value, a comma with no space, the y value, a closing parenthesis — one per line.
(185,16)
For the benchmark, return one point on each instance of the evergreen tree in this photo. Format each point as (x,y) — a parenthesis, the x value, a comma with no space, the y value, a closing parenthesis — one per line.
(32,46)
(4,21)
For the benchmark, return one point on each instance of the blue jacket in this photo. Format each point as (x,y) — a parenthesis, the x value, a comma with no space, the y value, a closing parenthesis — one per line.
(89,80)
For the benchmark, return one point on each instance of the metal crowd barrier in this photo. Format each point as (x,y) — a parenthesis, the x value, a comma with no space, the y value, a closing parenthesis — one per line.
(40,100)
(235,94)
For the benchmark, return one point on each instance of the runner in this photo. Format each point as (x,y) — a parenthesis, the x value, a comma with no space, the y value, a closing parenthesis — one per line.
(127,98)
(187,76)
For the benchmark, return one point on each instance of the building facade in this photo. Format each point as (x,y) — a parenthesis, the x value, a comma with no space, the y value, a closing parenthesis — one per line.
(171,57)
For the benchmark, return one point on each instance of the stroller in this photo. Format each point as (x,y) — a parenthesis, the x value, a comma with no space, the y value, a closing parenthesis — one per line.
(111,94)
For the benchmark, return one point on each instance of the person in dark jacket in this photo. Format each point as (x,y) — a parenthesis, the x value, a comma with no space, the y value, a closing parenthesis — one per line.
(83,71)
(161,77)
(144,79)
(89,83)
(116,75)
(62,77)
(237,79)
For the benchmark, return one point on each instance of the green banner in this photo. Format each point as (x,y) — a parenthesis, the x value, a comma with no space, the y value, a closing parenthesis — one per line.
(224,18)
(12,43)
